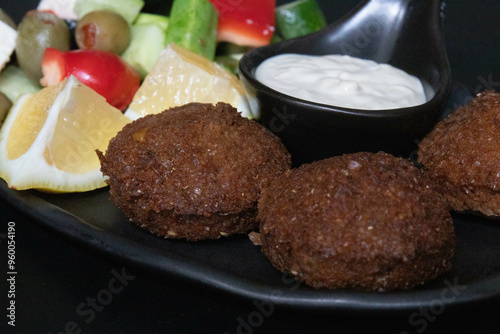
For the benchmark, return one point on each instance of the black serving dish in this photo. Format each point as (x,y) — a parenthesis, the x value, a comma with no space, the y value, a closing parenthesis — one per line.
(68,244)
(404,33)
(235,267)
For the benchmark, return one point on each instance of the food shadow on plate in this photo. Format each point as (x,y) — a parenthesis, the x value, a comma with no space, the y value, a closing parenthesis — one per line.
(235,267)
(477,248)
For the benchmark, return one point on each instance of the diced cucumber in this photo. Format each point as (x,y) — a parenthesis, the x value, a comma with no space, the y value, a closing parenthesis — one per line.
(229,62)
(298,18)
(226,48)
(14,83)
(147,18)
(148,40)
(276,38)
(129,9)
(228,55)
(193,25)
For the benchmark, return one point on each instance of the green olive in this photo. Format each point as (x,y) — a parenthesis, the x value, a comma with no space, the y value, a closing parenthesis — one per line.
(103,30)
(7,19)
(5,105)
(38,31)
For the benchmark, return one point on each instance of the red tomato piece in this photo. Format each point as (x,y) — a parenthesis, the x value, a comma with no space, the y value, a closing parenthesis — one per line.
(245,22)
(104,72)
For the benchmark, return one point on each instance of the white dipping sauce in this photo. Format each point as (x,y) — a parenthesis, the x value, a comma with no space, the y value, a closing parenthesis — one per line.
(341,81)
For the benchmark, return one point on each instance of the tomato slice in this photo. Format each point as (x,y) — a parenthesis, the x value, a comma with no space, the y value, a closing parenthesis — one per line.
(245,22)
(104,72)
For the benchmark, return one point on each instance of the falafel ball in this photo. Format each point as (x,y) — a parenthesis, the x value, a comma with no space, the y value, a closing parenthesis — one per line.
(462,154)
(364,221)
(193,171)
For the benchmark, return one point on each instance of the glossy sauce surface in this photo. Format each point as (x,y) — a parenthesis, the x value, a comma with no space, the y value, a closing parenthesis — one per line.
(341,81)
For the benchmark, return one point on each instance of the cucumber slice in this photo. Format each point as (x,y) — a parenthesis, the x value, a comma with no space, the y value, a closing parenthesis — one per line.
(129,9)
(14,83)
(299,18)
(228,55)
(229,62)
(147,42)
(276,38)
(226,48)
(156,19)
(193,25)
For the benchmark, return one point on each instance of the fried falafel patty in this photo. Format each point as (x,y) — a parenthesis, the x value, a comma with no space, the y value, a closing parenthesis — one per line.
(193,171)
(462,154)
(365,221)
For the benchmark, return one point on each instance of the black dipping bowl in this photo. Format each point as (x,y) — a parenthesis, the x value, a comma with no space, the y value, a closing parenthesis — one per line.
(406,34)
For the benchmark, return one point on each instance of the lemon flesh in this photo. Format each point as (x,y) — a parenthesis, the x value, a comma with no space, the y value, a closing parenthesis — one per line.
(48,140)
(180,76)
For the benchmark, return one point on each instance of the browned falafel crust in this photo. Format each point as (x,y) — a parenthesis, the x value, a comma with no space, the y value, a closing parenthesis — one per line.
(462,154)
(193,171)
(365,221)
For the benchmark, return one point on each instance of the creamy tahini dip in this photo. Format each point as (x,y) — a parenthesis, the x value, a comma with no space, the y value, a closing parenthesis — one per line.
(342,81)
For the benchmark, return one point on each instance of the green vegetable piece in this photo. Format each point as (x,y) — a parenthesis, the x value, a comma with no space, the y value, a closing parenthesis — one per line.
(229,62)
(228,55)
(148,41)
(276,38)
(193,25)
(156,19)
(37,31)
(299,18)
(14,83)
(129,9)
(227,48)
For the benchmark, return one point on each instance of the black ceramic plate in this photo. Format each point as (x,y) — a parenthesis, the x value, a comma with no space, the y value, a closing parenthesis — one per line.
(233,265)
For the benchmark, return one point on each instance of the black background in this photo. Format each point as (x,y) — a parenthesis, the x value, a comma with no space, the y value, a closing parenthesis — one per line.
(55,275)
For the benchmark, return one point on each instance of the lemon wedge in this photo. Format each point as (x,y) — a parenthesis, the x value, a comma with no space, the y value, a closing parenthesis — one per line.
(48,139)
(180,76)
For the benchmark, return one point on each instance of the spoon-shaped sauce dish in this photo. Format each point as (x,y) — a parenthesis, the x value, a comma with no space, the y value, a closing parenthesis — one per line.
(406,34)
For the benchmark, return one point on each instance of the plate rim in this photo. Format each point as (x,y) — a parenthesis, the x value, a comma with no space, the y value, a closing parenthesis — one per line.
(55,218)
